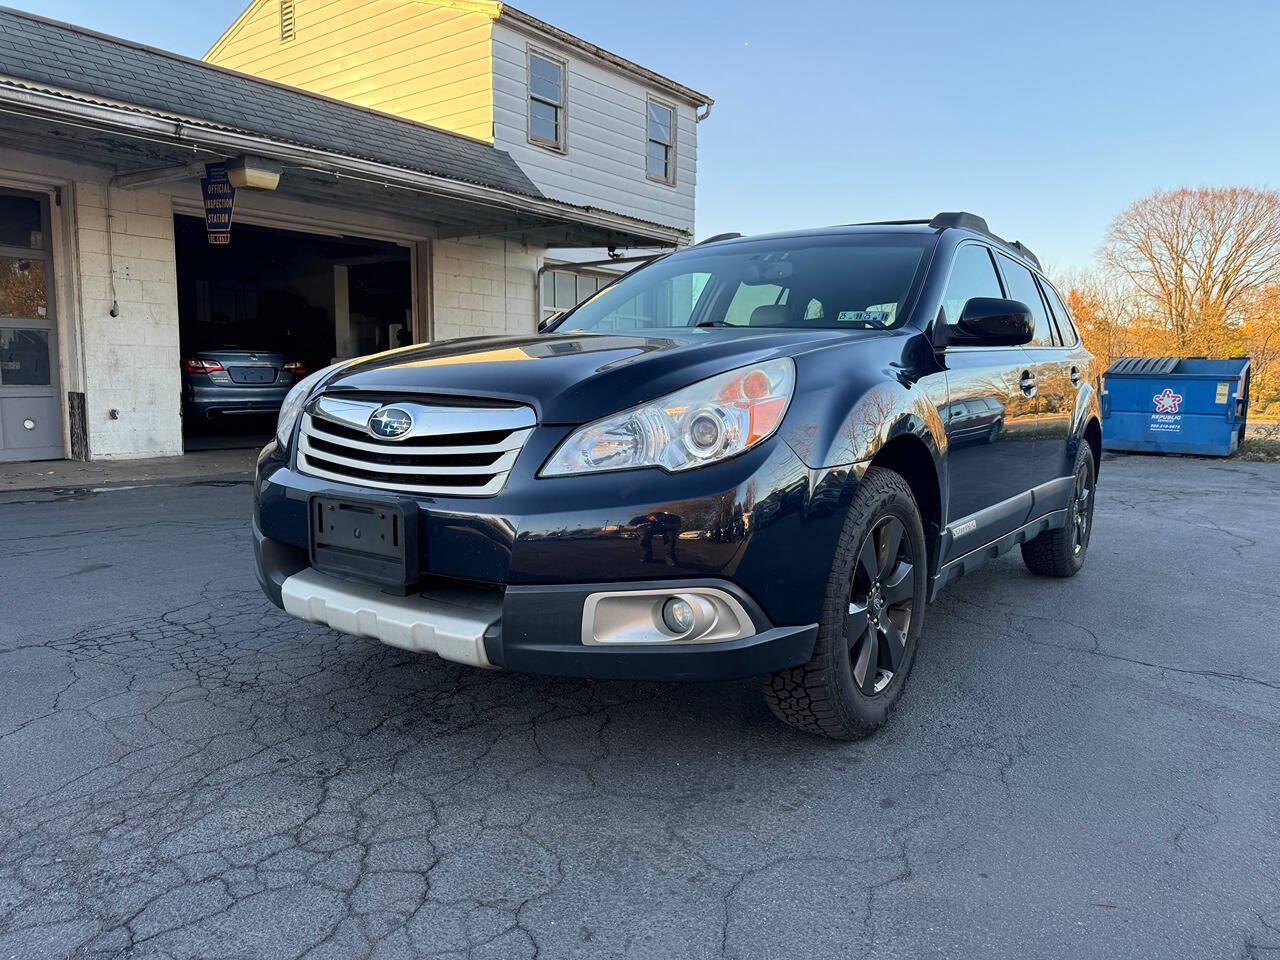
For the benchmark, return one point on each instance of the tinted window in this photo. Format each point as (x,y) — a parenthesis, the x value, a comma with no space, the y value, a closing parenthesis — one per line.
(1022,286)
(842,282)
(20,222)
(1065,327)
(972,275)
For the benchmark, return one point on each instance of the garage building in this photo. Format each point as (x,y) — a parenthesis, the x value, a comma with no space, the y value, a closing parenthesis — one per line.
(352,231)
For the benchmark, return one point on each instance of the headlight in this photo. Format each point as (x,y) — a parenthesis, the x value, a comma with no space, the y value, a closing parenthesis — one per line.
(292,406)
(708,422)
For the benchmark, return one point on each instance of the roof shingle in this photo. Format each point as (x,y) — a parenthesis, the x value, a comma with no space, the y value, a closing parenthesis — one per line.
(60,55)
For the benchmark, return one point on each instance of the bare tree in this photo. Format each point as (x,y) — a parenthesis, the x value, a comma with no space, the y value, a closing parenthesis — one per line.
(1197,255)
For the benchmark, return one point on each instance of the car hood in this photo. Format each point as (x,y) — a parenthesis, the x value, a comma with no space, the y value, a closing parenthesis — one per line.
(569,378)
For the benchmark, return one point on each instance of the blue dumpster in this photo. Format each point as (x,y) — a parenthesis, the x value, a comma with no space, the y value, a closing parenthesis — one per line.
(1175,405)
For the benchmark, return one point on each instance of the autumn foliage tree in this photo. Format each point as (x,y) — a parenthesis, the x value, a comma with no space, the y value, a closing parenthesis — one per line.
(1191,272)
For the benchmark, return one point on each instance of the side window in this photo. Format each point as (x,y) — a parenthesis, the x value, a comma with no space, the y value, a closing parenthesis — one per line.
(1066,328)
(1022,286)
(972,275)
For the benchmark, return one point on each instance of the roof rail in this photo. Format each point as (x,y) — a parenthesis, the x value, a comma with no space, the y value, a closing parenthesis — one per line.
(971,221)
(1025,251)
(968,221)
(887,223)
(718,237)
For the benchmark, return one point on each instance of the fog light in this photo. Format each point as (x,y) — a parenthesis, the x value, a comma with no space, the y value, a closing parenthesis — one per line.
(677,614)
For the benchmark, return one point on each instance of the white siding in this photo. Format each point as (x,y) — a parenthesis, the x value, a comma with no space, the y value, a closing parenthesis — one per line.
(604,163)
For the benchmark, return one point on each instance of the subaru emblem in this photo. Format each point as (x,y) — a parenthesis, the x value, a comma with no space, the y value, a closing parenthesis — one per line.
(390,423)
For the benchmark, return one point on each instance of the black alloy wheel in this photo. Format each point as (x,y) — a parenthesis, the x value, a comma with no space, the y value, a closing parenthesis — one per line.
(1082,510)
(1061,552)
(880,605)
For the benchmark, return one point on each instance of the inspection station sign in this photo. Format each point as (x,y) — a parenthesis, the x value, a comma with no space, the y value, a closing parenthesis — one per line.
(219,201)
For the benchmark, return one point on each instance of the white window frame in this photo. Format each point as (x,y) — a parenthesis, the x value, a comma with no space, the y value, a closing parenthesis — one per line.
(552,304)
(558,145)
(670,179)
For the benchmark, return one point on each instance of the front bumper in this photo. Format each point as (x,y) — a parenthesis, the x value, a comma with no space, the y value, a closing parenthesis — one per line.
(526,629)
(762,527)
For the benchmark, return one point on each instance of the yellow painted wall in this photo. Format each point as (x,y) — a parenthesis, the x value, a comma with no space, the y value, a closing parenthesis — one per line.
(428,62)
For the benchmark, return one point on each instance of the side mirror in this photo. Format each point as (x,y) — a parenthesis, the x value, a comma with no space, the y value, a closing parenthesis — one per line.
(992,322)
(548,321)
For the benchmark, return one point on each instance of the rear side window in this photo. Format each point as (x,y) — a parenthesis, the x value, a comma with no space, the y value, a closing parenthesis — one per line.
(972,275)
(1066,329)
(1022,286)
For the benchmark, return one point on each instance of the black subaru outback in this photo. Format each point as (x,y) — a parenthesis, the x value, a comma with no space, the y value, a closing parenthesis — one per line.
(759,456)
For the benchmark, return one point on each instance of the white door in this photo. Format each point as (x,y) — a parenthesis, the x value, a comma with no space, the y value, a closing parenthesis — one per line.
(30,401)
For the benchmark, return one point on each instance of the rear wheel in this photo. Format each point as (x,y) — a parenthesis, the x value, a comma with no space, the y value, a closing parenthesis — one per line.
(1061,553)
(871,621)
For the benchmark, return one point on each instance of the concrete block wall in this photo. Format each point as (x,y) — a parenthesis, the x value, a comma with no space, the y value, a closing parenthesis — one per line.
(132,361)
(484,286)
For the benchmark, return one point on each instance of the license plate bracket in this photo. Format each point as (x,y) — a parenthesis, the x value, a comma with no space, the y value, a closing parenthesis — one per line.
(252,375)
(369,538)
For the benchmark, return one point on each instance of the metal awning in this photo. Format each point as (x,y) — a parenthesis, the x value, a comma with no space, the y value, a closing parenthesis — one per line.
(146,146)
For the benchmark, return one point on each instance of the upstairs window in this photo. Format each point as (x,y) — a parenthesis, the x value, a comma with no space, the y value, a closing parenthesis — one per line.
(660,155)
(546,100)
(288,23)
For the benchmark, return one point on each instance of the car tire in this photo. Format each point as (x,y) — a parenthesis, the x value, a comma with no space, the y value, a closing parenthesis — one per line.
(1061,553)
(872,616)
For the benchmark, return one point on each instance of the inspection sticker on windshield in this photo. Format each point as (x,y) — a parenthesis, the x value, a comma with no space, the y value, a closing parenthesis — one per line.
(880,317)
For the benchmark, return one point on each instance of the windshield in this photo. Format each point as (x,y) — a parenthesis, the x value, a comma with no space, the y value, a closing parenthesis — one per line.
(853,282)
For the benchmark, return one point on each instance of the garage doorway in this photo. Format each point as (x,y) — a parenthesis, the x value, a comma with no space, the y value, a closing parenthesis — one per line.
(258,314)
(30,399)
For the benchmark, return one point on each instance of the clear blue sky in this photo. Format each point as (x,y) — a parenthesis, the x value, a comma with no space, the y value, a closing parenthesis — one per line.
(1046,117)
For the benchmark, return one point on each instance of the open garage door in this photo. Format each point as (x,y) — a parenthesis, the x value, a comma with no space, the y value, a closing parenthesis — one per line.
(258,314)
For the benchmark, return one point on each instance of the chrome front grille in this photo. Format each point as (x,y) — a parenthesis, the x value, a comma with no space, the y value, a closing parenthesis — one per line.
(449,450)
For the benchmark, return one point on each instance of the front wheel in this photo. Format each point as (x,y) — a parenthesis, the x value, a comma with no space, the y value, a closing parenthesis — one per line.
(1061,553)
(871,622)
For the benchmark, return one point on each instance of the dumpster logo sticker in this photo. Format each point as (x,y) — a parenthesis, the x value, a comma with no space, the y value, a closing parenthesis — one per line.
(1167,401)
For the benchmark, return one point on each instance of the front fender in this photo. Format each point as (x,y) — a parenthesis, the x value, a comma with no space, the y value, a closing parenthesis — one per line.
(852,422)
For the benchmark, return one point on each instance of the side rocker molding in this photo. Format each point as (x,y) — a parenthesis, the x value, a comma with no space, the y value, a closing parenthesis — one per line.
(970,561)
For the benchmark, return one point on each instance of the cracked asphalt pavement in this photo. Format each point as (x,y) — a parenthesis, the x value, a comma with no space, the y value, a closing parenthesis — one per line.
(1082,768)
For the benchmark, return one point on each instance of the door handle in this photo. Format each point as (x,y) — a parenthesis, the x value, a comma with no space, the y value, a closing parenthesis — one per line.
(1075,376)
(1028,383)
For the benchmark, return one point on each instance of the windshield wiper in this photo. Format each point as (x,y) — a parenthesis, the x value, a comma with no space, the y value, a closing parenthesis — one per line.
(715,323)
